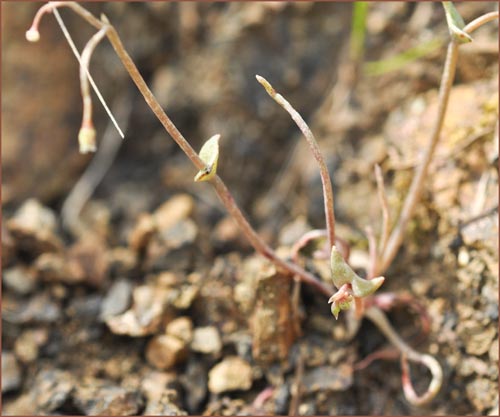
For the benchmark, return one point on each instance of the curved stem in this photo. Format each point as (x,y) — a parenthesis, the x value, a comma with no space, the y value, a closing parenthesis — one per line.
(313,145)
(480,21)
(380,320)
(84,80)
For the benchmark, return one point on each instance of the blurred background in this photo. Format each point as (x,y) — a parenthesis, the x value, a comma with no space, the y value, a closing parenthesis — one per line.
(365,78)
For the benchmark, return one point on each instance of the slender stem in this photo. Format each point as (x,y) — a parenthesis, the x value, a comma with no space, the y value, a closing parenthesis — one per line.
(380,320)
(386,220)
(313,145)
(413,195)
(77,55)
(396,237)
(257,242)
(84,80)
(480,21)
(221,189)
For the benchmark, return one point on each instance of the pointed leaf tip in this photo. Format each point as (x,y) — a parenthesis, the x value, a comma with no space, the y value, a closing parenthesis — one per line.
(269,88)
(209,154)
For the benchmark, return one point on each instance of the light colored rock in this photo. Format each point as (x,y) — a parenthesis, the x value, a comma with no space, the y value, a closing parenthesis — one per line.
(165,351)
(117,299)
(11,374)
(206,340)
(182,328)
(233,373)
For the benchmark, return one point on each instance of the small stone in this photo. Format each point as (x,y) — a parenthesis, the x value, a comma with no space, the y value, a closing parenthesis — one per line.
(117,299)
(233,373)
(20,280)
(142,232)
(206,340)
(175,209)
(97,398)
(186,296)
(147,314)
(33,228)
(165,351)
(476,338)
(28,344)
(88,260)
(166,405)
(41,308)
(154,384)
(52,388)
(481,393)
(180,234)
(328,378)
(53,267)
(472,365)
(122,261)
(493,353)
(182,328)
(11,374)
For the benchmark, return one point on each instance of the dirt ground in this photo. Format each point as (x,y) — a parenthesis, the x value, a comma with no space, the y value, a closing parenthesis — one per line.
(156,304)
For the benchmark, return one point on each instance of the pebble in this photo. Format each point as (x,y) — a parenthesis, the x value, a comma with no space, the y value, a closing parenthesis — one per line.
(146,315)
(154,384)
(180,234)
(493,352)
(175,209)
(472,365)
(53,267)
(233,373)
(481,392)
(38,309)
(33,228)
(11,373)
(20,280)
(122,261)
(28,344)
(165,351)
(88,260)
(206,340)
(181,328)
(328,378)
(52,388)
(142,232)
(165,406)
(101,398)
(117,299)
(476,338)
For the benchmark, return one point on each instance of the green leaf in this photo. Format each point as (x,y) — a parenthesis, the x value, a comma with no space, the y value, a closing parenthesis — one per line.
(342,274)
(455,23)
(209,154)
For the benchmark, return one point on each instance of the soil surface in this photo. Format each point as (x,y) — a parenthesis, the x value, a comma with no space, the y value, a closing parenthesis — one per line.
(150,301)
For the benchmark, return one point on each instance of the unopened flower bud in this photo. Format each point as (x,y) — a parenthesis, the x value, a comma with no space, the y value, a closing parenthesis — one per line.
(32,35)
(86,140)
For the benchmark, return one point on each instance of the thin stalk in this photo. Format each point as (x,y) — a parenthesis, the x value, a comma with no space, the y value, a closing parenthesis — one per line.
(78,57)
(396,237)
(219,186)
(84,87)
(386,219)
(380,320)
(313,145)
